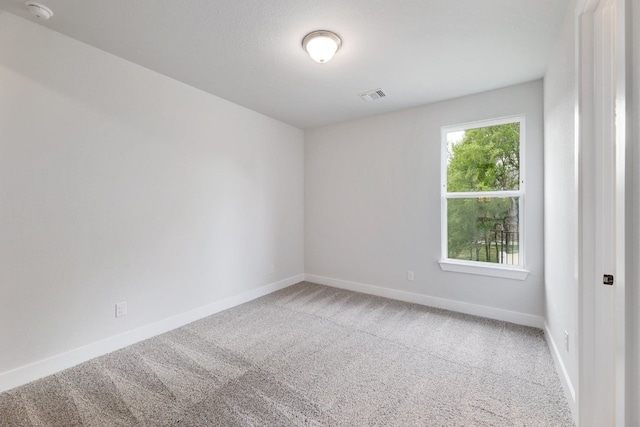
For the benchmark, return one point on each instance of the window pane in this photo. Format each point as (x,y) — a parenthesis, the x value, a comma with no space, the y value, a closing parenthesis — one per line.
(484,159)
(484,229)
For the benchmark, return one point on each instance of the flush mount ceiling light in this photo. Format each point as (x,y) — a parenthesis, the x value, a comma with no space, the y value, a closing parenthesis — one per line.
(321,45)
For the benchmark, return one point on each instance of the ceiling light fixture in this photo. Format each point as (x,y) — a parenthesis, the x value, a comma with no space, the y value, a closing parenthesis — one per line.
(321,45)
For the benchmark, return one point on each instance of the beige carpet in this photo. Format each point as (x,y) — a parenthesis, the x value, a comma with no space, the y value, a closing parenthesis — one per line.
(314,356)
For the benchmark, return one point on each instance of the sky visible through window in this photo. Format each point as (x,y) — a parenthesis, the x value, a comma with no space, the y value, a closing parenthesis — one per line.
(453,138)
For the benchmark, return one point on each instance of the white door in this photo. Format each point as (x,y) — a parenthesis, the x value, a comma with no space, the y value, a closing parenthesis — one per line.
(604,138)
(601,397)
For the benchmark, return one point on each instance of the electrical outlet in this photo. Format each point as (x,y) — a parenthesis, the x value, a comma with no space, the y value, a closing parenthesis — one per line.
(566,340)
(410,275)
(273,269)
(121,309)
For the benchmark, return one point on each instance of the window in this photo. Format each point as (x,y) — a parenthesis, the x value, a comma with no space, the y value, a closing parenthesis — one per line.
(483,198)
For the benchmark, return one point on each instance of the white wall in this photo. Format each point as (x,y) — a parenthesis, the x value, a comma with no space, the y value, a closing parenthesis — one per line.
(119,184)
(372,204)
(560,209)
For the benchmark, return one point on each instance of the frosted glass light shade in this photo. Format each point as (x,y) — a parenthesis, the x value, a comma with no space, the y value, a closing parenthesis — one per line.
(321,45)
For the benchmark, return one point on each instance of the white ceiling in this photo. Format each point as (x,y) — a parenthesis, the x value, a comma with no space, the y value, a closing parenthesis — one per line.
(249,51)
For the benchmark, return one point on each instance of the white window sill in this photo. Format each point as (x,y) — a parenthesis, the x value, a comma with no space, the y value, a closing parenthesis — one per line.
(484,269)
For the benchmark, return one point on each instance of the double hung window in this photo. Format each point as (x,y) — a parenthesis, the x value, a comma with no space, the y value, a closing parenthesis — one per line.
(483,198)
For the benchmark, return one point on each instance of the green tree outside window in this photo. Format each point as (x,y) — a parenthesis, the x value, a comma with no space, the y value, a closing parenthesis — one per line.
(484,160)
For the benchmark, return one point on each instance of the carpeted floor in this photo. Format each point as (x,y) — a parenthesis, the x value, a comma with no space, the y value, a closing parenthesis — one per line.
(314,356)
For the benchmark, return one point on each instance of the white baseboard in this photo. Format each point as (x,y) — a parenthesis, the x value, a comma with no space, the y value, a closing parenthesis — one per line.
(42,368)
(447,304)
(567,385)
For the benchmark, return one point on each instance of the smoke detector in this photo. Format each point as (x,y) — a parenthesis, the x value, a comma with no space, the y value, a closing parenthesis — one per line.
(39,10)
(372,95)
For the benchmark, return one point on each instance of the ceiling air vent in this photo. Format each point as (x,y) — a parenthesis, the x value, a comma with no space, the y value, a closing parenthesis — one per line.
(372,95)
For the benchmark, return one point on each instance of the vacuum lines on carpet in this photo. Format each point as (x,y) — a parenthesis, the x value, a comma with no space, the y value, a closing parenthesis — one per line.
(315,356)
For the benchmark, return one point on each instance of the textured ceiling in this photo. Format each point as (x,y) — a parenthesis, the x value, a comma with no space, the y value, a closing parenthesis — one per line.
(249,51)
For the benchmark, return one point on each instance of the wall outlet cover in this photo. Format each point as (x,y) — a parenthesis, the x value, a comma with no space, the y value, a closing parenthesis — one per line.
(121,309)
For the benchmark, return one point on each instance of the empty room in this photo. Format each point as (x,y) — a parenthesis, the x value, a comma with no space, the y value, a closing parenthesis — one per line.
(323,213)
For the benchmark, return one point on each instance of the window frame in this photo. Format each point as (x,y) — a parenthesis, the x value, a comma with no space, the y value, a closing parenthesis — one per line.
(518,272)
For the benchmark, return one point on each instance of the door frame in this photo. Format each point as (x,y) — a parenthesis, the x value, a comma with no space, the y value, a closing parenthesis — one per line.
(588,212)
